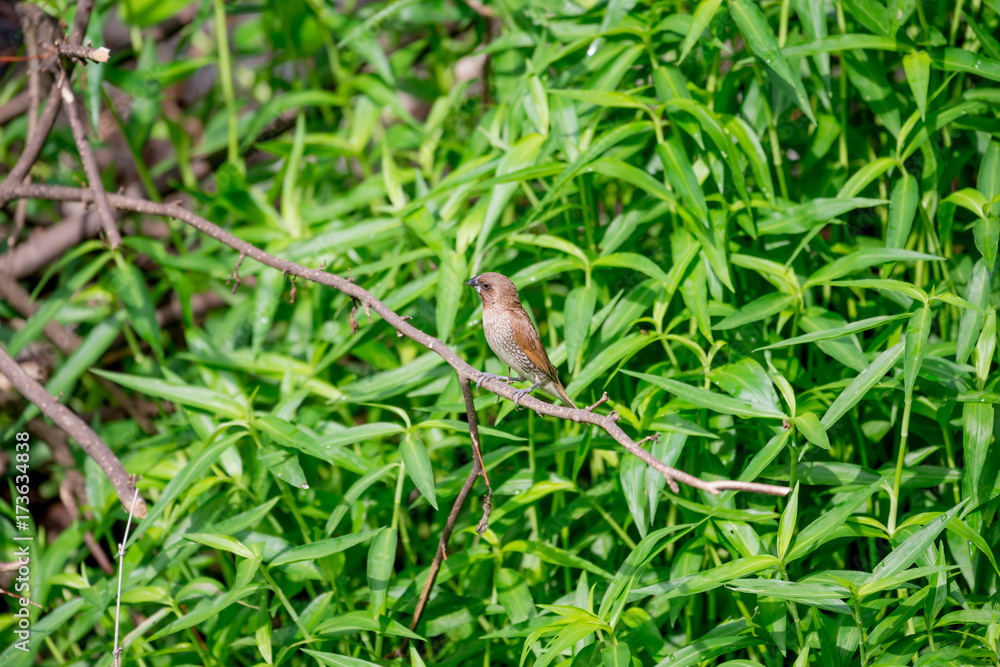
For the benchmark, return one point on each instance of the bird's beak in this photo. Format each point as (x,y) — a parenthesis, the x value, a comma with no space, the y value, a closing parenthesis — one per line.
(474,282)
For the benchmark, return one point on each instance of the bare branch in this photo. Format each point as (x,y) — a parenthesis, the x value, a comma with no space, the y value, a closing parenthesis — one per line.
(601,400)
(15,107)
(73,490)
(470,412)
(449,525)
(100,55)
(90,167)
(68,342)
(34,90)
(67,420)
(607,422)
(35,141)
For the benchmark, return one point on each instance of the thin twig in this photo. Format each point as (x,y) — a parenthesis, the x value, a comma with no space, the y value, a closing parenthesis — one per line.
(14,108)
(609,423)
(73,490)
(34,142)
(15,595)
(449,526)
(470,412)
(603,399)
(99,55)
(121,567)
(68,421)
(477,469)
(90,167)
(34,92)
(68,342)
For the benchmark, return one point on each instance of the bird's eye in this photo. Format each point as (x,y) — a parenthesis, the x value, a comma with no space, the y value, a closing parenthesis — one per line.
(486,285)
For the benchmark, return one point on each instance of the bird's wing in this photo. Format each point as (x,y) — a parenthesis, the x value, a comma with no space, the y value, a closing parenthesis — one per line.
(528,340)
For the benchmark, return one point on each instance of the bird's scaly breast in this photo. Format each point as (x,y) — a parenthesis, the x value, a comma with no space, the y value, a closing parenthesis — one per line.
(500,337)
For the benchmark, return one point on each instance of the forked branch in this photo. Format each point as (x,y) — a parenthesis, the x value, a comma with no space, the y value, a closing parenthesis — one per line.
(609,423)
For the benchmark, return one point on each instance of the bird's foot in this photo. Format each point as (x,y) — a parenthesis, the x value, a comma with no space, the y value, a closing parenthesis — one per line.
(519,394)
(483,377)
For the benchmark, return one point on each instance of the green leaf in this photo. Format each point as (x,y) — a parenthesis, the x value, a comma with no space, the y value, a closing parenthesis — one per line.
(602,98)
(514,595)
(987,233)
(908,289)
(811,427)
(579,311)
(837,332)
(333,659)
(221,543)
(381,557)
(988,180)
(977,292)
(952,59)
(418,467)
(595,150)
(184,394)
(555,556)
(789,518)
(623,348)
(860,385)
(352,622)
(707,580)
(917,331)
(323,548)
(863,259)
(977,431)
(703,15)
(746,379)
(870,13)
(637,177)
(822,529)
(523,154)
(631,260)
(707,399)
(758,309)
(909,550)
(616,656)
(130,285)
(762,43)
(361,433)
(681,176)
(902,209)
(917,66)
(452,272)
(32,329)
(803,217)
(969,199)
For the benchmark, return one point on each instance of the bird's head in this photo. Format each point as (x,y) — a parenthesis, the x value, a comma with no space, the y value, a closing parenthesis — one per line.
(495,289)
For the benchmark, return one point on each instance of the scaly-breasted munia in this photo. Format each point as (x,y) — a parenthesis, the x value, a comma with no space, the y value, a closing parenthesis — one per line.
(513,337)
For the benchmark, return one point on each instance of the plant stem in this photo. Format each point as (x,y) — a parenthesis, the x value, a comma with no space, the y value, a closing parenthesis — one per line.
(904,433)
(226,78)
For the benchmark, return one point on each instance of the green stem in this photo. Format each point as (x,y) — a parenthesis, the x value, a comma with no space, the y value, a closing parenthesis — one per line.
(903,435)
(226,76)
(783,24)
(285,603)
(772,134)
(842,139)
(955,18)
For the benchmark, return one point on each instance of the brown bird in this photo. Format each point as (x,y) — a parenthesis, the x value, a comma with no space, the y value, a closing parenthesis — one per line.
(513,337)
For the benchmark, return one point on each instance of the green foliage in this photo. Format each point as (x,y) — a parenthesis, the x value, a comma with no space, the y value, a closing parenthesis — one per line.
(767,231)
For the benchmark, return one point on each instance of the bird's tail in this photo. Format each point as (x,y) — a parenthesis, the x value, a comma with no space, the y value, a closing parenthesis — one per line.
(557,389)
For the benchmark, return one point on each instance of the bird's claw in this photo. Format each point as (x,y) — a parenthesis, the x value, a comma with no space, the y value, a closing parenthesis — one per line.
(483,377)
(519,394)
